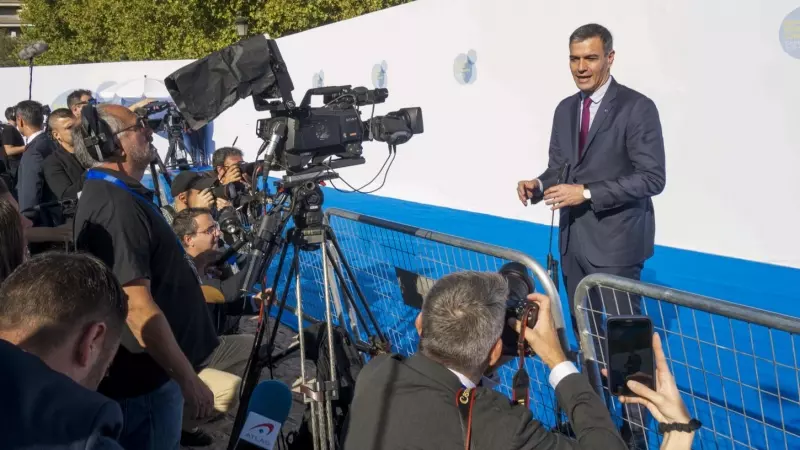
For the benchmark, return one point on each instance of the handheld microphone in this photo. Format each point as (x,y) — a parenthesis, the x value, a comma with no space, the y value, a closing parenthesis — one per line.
(66,203)
(267,411)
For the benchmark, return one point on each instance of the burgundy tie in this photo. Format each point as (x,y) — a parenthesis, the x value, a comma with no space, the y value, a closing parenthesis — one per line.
(584,125)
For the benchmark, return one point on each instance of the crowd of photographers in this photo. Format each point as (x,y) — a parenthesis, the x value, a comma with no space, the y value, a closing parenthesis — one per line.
(132,340)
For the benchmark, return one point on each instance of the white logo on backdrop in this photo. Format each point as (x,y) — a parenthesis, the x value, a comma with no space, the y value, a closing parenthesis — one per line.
(318,80)
(379,76)
(464,69)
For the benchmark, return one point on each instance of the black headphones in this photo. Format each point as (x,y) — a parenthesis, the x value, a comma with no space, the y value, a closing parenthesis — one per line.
(97,135)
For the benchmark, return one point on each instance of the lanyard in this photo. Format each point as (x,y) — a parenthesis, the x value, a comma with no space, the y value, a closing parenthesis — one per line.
(97,175)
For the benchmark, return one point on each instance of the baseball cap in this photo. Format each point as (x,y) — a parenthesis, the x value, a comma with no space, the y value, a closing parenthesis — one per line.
(187,180)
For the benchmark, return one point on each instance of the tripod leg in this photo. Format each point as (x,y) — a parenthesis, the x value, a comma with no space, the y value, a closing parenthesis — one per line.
(252,371)
(332,360)
(347,294)
(332,236)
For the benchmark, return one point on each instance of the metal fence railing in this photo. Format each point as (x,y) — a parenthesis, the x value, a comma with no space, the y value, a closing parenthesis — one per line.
(736,366)
(382,253)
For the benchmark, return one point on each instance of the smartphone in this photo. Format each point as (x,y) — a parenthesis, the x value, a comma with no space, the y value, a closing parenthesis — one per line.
(629,353)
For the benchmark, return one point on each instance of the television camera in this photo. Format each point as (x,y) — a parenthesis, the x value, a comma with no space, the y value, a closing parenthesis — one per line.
(306,143)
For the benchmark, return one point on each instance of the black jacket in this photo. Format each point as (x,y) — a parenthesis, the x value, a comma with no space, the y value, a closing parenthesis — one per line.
(63,174)
(44,409)
(411,404)
(31,188)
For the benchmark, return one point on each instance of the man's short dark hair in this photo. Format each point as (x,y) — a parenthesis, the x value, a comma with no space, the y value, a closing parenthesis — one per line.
(75,97)
(60,113)
(56,293)
(11,114)
(221,154)
(591,30)
(185,223)
(32,112)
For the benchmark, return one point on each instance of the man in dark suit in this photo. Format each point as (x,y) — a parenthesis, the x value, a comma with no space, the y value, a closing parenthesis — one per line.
(63,173)
(31,188)
(609,138)
(412,403)
(61,318)
(606,162)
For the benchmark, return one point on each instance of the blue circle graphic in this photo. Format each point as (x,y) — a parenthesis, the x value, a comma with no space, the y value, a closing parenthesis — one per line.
(790,34)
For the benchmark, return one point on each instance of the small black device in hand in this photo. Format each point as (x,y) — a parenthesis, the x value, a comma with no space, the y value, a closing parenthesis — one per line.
(520,286)
(629,349)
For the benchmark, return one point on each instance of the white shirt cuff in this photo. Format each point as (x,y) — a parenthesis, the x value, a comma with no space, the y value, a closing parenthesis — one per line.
(541,188)
(560,372)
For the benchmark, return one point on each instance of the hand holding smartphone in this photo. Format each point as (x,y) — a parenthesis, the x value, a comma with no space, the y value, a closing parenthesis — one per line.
(629,353)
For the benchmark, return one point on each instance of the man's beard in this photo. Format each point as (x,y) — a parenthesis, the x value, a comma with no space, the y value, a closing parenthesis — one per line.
(142,158)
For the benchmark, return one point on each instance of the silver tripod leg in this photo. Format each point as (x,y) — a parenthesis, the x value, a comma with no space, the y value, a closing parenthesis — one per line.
(301,338)
(326,279)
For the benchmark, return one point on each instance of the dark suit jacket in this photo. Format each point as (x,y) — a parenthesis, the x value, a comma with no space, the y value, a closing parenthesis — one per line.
(63,174)
(31,187)
(41,408)
(622,166)
(411,404)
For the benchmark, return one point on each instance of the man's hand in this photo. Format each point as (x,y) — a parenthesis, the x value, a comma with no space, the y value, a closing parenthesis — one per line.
(232,174)
(542,337)
(526,190)
(222,204)
(265,297)
(199,398)
(564,195)
(206,198)
(140,104)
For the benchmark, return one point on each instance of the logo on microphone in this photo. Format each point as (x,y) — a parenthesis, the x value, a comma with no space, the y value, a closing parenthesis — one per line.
(379,76)
(318,80)
(464,69)
(790,34)
(259,430)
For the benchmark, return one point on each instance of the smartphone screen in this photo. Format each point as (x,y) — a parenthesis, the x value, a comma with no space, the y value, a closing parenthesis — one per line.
(629,353)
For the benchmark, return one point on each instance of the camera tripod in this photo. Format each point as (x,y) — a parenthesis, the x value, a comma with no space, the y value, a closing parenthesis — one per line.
(175,137)
(310,233)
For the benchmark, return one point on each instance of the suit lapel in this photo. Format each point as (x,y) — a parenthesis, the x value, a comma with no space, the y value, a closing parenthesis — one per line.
(603,111)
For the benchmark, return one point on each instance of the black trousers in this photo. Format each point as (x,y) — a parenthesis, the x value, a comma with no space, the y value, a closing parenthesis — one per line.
(574,267)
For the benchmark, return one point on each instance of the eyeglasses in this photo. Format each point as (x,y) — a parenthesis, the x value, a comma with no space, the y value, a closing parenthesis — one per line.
(91,101)
(210,230)
(141,124)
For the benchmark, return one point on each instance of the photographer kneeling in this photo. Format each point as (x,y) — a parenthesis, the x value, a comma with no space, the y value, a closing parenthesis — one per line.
(412,403)
(199,234)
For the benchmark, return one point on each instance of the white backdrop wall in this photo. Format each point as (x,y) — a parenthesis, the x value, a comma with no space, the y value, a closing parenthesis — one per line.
(723,74)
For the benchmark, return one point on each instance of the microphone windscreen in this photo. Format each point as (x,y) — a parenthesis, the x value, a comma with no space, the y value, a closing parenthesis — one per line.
(268,409)
(271,399)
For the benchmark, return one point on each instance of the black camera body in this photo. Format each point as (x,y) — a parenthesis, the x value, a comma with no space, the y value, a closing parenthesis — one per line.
(255,67)
(518,307)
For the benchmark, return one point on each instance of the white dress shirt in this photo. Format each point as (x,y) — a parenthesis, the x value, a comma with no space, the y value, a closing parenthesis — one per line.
(558,373)
(597,98)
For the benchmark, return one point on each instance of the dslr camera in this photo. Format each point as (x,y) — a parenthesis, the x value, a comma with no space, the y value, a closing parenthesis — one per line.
(520,286)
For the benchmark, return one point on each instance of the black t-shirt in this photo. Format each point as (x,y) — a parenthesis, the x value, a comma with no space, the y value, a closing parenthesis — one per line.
(11,136)
(132,237)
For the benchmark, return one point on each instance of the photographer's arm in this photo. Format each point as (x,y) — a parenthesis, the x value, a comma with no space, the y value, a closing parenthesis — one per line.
(586,412)
(150,327)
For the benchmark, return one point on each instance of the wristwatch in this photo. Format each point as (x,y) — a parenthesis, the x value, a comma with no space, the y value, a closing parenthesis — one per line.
(586,193)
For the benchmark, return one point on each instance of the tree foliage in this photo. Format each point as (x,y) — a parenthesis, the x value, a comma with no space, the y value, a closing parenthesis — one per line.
(83,31)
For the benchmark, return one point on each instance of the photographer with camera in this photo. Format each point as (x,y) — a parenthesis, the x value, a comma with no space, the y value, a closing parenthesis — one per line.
(192,189)
(413,402)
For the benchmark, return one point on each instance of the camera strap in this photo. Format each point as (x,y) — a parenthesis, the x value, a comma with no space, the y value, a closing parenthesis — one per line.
(464,400)
(521,382)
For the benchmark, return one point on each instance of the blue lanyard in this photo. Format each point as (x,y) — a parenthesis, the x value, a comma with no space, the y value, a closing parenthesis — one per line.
(92,174)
